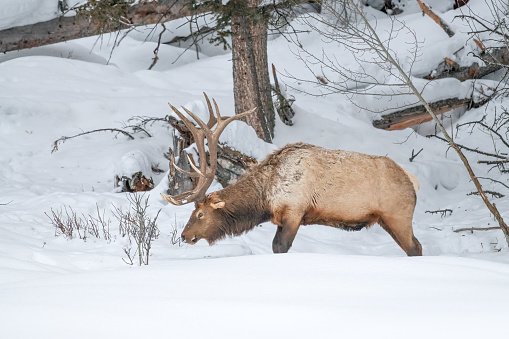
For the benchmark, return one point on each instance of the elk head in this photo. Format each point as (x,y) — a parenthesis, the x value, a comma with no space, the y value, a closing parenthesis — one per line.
(204,173)
(204,221)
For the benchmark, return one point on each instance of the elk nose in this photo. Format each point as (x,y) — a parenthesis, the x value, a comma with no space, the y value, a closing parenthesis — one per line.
(183,238)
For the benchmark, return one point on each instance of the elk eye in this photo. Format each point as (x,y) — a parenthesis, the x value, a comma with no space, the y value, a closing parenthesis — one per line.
(200,215)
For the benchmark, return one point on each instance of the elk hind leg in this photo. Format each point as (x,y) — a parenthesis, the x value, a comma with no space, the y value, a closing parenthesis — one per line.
(400,229)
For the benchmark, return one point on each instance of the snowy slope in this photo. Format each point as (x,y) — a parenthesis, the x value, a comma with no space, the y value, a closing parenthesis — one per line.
(332,283)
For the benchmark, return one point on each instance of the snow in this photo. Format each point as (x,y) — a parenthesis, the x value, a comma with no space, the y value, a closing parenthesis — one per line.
(26,12)
(266,296)
(332,283)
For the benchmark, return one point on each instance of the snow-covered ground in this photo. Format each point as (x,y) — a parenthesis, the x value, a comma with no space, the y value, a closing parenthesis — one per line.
(332,283)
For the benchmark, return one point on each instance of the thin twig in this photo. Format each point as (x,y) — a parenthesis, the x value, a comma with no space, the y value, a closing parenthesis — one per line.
(468,148)
(443,213)
(156,50)
(493,193)
(497,181)
(472,229)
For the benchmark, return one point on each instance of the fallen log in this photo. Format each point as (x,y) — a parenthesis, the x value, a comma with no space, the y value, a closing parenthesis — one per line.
(74,27)
(495,59)
(416,115)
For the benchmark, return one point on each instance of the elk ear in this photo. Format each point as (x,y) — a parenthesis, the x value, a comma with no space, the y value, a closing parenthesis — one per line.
(217,204)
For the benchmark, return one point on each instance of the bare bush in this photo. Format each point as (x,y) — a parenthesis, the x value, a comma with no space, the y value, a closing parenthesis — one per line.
(138,227)
(135,225)
(71,224)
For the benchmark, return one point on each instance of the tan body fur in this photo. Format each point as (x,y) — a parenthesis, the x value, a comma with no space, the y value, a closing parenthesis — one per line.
(302,184)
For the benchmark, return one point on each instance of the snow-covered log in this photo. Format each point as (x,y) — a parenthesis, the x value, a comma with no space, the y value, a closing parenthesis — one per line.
(74,27)
(417,115)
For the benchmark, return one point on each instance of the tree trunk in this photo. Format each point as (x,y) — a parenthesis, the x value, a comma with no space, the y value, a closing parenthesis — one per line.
(249,49)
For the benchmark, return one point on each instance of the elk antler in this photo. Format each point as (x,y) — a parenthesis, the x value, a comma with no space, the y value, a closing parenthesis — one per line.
(204,173)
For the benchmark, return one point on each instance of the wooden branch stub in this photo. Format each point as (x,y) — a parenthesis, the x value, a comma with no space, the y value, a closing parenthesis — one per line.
(414,155)
(453,64)
(426,10)
(284,107)
(479,44)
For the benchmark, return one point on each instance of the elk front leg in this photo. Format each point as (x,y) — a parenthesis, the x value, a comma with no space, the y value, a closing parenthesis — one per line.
(284,235)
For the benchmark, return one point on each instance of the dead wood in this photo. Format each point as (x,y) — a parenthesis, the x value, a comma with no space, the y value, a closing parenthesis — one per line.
(180,182)
(65,138)
(426,10)
(68,28)
(472,229)
(492,193)
(390,8)
(443,213)
(416,115)
(494,58)
(459,3)
(137,183)
(284,106)
(231,164)
(414,155)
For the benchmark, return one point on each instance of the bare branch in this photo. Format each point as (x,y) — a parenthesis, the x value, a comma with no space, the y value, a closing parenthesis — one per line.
(472,229)
(64,138)
(443,213)
(425,9)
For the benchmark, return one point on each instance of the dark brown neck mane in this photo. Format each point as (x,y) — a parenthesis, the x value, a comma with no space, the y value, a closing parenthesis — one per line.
(245,208)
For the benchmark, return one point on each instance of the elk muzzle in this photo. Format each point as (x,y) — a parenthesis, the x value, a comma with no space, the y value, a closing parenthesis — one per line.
(189,238)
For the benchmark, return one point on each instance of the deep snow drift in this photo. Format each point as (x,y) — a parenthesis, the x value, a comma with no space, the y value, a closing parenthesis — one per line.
(331,283)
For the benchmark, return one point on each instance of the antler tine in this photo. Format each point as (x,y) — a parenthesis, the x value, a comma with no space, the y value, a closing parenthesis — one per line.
(226,120)
(195,118)
(193,166)
(212,118)
(178,200)
(204,173)
(186,121)
(191,163)
(219,118)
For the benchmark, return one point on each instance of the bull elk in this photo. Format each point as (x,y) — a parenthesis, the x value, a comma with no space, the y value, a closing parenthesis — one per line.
(299,184)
